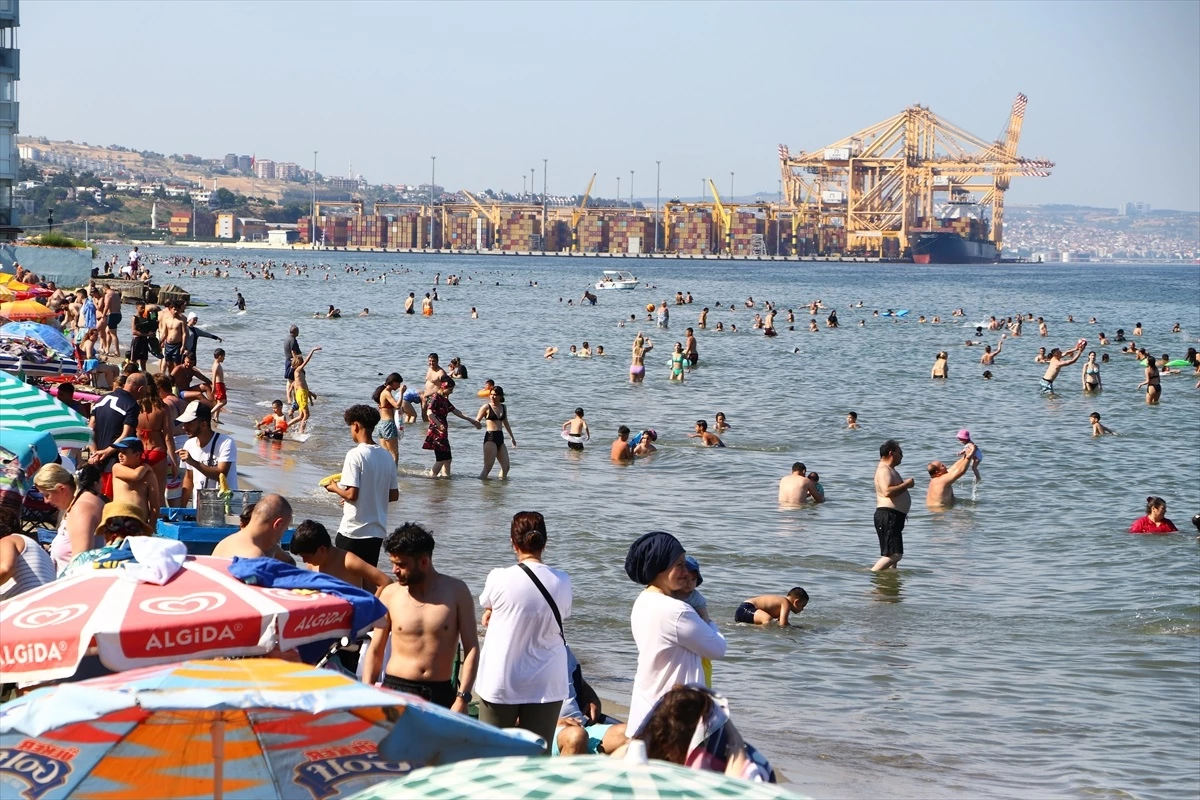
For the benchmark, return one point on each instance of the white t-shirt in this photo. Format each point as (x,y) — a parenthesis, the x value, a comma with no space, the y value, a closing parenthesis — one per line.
(671,639)
(371,469)
(524,658)
(225,450)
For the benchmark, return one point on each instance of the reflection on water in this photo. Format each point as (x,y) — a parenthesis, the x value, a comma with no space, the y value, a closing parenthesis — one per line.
(1026,609)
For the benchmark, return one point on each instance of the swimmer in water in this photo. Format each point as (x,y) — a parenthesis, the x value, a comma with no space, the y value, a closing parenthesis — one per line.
(706,438)
(797,487)
(852,421)
(1091,374)
(1097,428)
(637,368)
(643,443)
(677,365)
(1057,360)
(768,608)
(576,427)
(621,450)
(550,351)
(720,424)
(940,367)
(989,356)
(1152,382)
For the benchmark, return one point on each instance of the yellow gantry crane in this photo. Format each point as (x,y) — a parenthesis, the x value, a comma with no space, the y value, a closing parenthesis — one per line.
(492,216)
(577,214)
(723,217)
(886,181)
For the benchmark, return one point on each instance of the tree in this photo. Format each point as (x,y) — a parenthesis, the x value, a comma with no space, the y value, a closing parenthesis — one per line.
(223,198)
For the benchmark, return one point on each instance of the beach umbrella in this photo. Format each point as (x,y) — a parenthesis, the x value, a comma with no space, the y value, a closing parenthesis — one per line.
(25,406)
(566,777)
(46,334)
(201,612)
(24,444)
(5,295)
(25,309)
(245,728)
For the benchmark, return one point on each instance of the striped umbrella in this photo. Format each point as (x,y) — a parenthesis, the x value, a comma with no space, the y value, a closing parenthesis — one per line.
(25,309)
(25,406)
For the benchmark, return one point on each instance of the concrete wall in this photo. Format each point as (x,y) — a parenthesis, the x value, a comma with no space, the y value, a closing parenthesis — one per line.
(65,266)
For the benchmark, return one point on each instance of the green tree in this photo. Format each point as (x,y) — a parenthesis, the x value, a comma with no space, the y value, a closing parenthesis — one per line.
(223,198)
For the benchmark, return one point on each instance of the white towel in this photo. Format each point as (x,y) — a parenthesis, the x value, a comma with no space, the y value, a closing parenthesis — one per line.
(155,560)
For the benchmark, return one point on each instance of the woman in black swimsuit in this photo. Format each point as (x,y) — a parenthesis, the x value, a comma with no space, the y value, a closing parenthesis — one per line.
(1152,382)
(494,415)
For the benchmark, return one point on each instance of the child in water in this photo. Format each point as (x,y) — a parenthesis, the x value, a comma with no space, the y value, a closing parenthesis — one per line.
(767,608)
(1097,428)
(964,438)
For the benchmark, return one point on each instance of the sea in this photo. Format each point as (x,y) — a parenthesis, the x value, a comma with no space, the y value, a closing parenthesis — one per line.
(1028,646)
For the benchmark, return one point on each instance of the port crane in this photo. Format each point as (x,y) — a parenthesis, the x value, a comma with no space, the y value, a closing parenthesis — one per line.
(577,214)
(492,216)
(884,181)
(724,219)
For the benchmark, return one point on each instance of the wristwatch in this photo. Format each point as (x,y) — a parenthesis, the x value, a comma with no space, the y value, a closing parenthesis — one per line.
(466,696)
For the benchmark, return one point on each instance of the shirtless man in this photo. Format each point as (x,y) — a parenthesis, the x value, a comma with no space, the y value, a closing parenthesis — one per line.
(1058,360)
(408,303)
(768,608)
(690,351)
(434,376)
(621,449)
(261,537)
(794,489)
(989,355)
(892,502)
(428,615)
(314,546)
(703,321)
(942,478)
(170,334)
(112,316)
(134,481)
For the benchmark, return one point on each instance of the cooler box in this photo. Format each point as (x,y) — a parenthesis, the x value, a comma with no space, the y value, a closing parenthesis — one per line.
(181,526)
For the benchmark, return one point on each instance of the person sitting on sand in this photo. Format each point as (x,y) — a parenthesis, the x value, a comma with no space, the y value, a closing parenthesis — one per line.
(768,608)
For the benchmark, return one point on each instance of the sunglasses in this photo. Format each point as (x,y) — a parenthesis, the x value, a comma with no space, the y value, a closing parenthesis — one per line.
(124,525)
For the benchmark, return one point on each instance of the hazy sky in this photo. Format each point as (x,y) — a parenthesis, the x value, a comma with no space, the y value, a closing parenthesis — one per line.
(705,87)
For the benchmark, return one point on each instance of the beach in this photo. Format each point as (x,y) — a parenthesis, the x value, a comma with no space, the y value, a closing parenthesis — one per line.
(1027,645)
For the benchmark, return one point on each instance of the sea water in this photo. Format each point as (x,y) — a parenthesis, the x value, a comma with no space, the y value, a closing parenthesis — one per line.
(1027,646)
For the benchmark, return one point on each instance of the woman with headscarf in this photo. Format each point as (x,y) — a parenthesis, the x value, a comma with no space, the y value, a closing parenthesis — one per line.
(671,638)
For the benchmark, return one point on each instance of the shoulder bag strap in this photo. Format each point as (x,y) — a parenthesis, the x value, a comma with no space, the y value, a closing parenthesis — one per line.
(549,599)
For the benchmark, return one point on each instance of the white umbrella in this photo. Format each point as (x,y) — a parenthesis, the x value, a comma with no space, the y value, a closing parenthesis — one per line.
(25,406)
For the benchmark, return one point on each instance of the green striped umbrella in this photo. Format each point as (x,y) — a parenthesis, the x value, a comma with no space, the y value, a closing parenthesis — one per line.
(591,777)
(25,406)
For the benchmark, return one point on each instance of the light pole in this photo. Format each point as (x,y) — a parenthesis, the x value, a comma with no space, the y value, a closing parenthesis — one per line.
(731,186)
(312,217)
(522,184)
(531,183)
(545,162)
(618,191)
(432,180)
(193,219)
(657,193)
(631,190)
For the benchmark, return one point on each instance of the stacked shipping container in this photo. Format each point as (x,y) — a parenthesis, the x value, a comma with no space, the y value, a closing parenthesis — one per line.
(691,232)
(624,228)
(593,234)
(517,230)
(742,228)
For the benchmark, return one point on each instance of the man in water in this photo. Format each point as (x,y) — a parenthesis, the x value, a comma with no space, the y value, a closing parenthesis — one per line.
(428,615)
(690,351)
(366,485)
(892,502)
(1058,360)
(942,478)
(171,334)
(408,303)
(621,449)
(797,487)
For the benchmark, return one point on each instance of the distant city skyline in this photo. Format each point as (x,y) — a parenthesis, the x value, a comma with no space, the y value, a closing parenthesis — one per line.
(707,89)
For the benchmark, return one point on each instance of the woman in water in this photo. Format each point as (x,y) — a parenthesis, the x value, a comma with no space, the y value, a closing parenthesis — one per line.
(494,415)
(1152,382)
(677,364)
(1091,374)
(1155,520)
(154,428)
(387,399)
(438,438)
(637,369)
(940,368)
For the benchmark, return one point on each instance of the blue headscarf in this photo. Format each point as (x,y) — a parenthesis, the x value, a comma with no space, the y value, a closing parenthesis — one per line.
(651,554)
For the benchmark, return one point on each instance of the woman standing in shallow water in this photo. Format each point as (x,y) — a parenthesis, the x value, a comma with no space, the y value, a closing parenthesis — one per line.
(438,438)
(637,369)
(494,415)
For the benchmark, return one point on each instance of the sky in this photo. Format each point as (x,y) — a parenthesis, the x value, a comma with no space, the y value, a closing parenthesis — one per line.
(707,88)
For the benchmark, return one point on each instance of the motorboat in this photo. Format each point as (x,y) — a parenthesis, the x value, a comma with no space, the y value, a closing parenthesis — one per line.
(616,279)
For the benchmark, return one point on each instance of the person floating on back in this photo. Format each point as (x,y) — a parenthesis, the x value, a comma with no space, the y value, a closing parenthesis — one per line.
(768,608)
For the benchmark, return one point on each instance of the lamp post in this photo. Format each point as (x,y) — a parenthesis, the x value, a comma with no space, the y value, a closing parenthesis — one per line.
(522,184)
(657,193)
(618,190)
(193,219)
(531,183)
(731,186)
(50,220)
(432,180)
(631,190)
(312,217)
(545,162)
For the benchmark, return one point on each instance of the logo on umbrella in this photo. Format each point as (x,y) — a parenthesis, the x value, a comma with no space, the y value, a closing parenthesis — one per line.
(43,767)
(195,603)
(326,768)
(45,615)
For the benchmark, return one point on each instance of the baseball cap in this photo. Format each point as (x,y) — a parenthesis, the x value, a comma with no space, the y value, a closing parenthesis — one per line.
(964,435)
(129,443)
(694,566)
(191,315)
(195,411)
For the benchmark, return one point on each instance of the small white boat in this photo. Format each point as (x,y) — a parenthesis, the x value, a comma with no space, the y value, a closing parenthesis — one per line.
(616,279)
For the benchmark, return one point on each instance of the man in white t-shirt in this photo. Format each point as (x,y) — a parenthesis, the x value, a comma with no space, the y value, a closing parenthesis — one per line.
(206,454)
(367,484)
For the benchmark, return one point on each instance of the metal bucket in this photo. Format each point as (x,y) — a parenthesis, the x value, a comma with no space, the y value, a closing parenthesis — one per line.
(210,509)
(241,500)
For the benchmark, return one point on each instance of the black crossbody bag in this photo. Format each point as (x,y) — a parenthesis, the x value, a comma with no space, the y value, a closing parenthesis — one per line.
(546,594)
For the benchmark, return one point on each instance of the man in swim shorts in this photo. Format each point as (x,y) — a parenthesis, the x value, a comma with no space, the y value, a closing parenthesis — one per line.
(577,429)
(892,503)
(621,450)
(1057,360)
(690,351)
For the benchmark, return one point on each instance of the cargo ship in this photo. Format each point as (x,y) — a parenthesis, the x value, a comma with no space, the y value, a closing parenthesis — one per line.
(949,247)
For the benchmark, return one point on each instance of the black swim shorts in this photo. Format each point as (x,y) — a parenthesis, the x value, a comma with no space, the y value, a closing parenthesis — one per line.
(745,613)
(438,692)
(889,525)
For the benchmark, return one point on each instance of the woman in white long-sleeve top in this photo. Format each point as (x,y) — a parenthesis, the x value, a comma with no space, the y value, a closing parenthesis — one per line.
(671,637)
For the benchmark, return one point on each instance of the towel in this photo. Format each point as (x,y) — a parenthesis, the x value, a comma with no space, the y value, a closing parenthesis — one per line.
(272,574)
(154,560)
